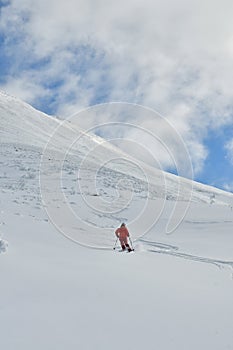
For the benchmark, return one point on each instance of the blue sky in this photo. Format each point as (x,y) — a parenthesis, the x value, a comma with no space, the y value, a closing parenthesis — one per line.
(218,169)
(172,56)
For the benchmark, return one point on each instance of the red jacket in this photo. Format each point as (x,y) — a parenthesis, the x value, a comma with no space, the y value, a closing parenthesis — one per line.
(122,232)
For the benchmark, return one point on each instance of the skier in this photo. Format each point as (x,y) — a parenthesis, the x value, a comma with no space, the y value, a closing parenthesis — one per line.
(122,233)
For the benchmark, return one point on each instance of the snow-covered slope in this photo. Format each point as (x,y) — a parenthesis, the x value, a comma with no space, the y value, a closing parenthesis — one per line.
(173,292)
(93,175)
(22,125)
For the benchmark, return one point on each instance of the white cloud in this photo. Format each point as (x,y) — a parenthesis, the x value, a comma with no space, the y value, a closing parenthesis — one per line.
(229,148)
(174,56)
(228,187)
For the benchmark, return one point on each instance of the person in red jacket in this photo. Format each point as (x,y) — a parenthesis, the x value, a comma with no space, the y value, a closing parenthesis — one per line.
(123,234)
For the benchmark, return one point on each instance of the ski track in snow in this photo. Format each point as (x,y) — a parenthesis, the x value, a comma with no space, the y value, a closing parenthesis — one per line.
(160,248)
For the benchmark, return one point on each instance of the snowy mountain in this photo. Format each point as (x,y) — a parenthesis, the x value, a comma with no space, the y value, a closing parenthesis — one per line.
(103,180)
(55,294)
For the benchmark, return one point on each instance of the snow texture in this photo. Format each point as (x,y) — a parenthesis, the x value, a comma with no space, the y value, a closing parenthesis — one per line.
(173,292)
(3,246)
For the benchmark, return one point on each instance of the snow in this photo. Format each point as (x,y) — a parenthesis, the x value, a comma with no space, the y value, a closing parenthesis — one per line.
(3,246)
(173,292)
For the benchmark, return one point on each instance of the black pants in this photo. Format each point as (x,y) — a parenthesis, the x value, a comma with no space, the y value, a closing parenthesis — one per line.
(124,246)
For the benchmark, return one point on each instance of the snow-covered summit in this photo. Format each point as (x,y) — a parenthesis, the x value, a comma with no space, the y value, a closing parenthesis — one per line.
(21,124)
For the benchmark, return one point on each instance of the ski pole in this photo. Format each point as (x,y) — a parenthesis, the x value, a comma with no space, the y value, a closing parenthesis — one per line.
(131,243)
(115,244)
